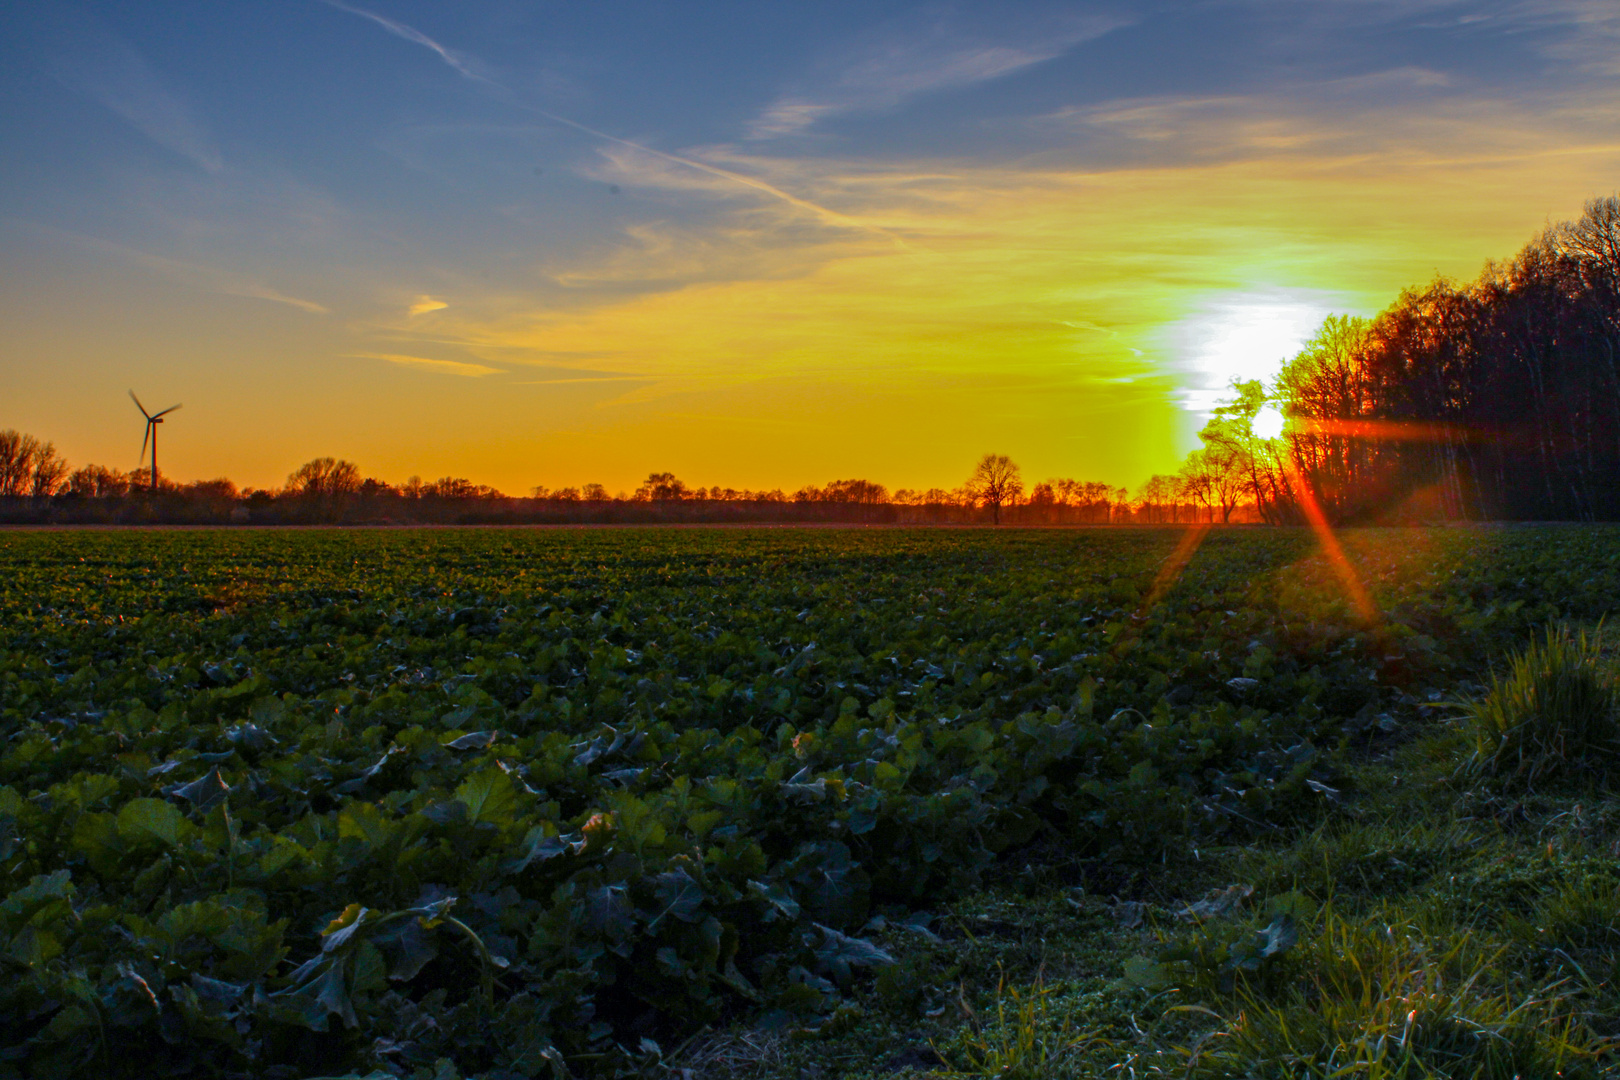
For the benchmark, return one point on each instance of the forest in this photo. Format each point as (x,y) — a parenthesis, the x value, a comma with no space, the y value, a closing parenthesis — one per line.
(1498,399)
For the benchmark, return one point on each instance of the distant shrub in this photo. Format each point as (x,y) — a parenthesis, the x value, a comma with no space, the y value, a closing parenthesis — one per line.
(1556,710)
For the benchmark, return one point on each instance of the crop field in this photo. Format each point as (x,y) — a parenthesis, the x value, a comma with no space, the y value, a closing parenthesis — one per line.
(505,803)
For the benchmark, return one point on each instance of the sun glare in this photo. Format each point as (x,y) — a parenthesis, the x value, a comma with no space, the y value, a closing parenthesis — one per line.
(1242,335)
(1268,423)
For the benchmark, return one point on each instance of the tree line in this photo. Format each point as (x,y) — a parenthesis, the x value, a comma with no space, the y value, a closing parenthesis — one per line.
(38,486)
(1492,399)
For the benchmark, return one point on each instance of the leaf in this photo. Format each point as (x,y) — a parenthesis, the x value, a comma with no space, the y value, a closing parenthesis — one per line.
(781,904)
(341,929)
(488,796)
(539,847)
(332,993)
(678,895)
(49,895)
(408,947)
(473,740)
(814,792)
(203,792)
(608,912)
(1218,903)
(350,787)
(154,819)
(917,922)
(33,947)
(434,912)
(218,994)
(250,736)
(1142,973)
(368,824)
(838,953)
(1279,937)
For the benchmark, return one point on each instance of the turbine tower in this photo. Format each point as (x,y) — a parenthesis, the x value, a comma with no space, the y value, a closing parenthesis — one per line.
(152,421)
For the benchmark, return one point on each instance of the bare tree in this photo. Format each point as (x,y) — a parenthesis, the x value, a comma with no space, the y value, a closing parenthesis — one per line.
(1158,497)
(325,484)
(995,480)
(17,452)
(662,487)
(1198,481)
(98,482)
(49,472)
(325,476)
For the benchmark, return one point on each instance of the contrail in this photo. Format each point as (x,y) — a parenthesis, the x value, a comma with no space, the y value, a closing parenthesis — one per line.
(412,34)
(463,68)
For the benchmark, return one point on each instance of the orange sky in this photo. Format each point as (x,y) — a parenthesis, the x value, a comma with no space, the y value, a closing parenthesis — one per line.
(768,316)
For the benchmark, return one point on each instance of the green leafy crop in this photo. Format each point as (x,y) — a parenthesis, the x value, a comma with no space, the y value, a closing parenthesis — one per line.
(306,803)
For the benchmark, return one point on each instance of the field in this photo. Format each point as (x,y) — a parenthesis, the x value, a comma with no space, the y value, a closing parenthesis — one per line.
(537,803)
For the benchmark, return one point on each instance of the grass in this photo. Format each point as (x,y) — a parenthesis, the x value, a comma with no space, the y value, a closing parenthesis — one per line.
(1554,712)
(1384,1000)
(1030,1036)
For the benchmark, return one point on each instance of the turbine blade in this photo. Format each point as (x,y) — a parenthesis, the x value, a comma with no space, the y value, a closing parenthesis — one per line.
(144,436)
(170,409)
(138,405)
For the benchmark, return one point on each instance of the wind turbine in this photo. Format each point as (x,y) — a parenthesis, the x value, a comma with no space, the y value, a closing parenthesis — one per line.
(152,421)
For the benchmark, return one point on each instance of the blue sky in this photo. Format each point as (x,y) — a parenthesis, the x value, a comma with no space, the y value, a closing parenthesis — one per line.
(760,244)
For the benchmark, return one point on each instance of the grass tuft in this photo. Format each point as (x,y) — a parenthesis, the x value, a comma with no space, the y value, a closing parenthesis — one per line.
(1029,1037)
(1556,711)
(1381,1003)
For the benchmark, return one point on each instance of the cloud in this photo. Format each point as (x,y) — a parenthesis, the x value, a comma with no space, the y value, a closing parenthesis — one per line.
(194,275)
(443,367)
(1584,32)
(1065,273)
(465,65)
(426,304)
(255,291)
(1409,116)
(105,69)
(907,59)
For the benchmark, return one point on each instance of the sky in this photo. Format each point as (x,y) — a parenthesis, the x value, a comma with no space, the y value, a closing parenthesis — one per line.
(759,244)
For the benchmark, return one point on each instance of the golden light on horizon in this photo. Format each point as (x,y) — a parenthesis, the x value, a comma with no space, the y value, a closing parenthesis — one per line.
(1073,283)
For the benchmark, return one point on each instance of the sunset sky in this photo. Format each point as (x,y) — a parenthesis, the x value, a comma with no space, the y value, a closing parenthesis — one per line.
(758,244)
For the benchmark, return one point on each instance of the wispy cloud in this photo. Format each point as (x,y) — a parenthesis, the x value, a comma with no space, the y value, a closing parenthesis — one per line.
(425,305)
(907,59)
(466,65)
(255,291)
(443,367)
(1585,32)
(195,275)
(106,69)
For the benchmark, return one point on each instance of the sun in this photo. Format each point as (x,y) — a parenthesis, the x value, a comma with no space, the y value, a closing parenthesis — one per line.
(1242,335)
(1268,423)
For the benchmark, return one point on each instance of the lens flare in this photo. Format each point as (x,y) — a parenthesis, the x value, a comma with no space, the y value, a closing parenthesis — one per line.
(1357,593)
(1170,570)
